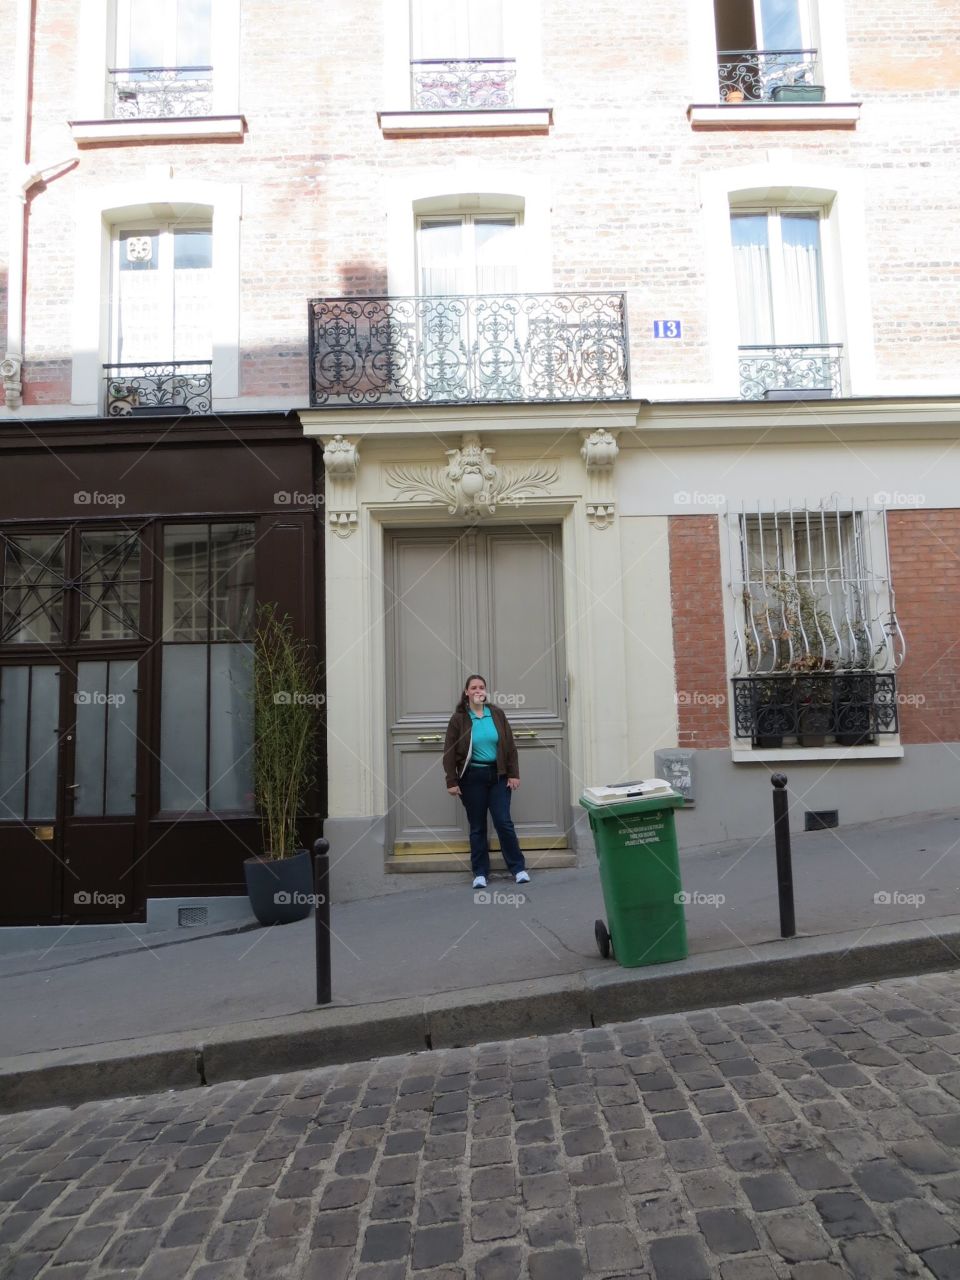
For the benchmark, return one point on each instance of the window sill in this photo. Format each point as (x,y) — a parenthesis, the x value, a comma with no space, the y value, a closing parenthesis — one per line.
(746,755)
(96,132)
(770,115)
(412,124)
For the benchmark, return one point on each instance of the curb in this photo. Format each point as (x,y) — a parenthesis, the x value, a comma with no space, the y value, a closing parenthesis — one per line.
(543,1006)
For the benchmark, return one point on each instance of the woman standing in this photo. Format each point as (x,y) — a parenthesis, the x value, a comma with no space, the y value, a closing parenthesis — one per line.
(481,767)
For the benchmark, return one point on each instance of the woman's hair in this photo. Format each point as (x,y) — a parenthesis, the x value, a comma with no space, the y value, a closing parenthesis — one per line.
(464,700)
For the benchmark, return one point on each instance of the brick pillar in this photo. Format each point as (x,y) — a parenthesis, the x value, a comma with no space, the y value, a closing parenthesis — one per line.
(696,599)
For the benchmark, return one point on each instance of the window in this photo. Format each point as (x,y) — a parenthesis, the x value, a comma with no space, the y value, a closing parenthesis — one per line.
(458,60)
(206,721)
(161,321)
(815,633)
(766,51)
(781,302)
(468,253)
(162,59)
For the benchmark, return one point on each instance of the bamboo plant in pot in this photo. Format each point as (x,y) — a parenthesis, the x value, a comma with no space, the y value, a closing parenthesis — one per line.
(286,702)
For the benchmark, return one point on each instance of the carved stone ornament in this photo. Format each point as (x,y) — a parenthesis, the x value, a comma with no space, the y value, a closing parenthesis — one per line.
(10,368)
(341,461)
(599,452)
(470,484)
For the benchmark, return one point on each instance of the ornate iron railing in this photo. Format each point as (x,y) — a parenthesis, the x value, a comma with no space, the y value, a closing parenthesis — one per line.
(759,75)
(791,367)
(469,349)
(171,387)
(159,93)
(850,707)
(462,84)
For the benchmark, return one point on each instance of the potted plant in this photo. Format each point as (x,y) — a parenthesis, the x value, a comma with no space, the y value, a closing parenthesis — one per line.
(286,702)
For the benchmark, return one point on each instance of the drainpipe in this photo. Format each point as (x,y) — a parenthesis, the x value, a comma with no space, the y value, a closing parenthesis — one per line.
(17,205)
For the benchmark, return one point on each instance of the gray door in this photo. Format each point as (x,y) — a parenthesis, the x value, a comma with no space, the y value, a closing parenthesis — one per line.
(460,601)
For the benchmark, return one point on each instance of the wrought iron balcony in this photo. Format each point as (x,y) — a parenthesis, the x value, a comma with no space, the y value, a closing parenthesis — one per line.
(469,349)
(851,707)
(161,93)
(174,388)
(462,84)
(813,370)
(765,75)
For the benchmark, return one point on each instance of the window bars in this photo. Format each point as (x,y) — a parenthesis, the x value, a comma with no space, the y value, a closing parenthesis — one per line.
(812,591)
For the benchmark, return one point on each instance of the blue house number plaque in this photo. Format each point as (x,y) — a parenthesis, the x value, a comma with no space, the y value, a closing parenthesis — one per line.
(667,329)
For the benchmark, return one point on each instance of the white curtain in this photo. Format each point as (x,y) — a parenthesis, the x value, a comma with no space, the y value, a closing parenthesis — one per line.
(442,258)
(751,260)
(496,254)
(802,318)
(456,28)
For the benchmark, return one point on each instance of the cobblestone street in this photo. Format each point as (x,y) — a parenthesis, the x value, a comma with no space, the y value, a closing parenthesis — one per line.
(815,1137)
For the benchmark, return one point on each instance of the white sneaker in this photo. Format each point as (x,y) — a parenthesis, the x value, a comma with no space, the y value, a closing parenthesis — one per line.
(480,882)
(522,877)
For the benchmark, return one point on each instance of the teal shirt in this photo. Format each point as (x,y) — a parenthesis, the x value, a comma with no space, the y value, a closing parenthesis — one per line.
(484,736)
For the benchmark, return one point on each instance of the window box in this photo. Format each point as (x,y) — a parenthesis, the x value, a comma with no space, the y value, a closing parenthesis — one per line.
(798,93)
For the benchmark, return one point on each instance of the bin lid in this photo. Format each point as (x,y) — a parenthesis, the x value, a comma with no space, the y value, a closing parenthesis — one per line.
(631,797)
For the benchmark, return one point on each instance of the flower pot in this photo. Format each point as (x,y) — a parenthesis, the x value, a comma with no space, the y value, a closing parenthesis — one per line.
(814,724)
(768,741)
(734,95)
(280,889)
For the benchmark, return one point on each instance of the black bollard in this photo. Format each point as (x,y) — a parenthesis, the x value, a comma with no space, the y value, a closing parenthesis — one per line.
(321,915)
(781,830)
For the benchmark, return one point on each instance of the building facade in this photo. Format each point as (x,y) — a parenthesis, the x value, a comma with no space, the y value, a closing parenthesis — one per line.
(628,337)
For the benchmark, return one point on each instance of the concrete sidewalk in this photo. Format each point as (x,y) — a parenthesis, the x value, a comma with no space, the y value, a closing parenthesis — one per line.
(430,945)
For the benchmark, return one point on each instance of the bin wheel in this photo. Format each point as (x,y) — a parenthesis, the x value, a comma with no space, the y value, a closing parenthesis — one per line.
(602,935)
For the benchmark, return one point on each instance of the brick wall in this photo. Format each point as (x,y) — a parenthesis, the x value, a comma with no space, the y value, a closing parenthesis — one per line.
(622,164)
(925,564)
(696,601)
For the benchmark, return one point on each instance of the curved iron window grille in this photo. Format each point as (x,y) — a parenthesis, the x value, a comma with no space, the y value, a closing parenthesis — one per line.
(469,349)
(463,84)
(160,93)
(172,387)
(760,75)
(814,369)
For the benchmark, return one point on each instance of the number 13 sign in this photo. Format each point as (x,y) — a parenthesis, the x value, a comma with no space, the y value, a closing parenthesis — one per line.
(667,329)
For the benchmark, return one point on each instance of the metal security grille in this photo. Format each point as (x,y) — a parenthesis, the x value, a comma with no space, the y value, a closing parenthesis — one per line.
(190,917)
(816,639)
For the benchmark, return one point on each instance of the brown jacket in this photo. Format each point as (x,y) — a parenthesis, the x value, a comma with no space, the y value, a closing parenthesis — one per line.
(456,749)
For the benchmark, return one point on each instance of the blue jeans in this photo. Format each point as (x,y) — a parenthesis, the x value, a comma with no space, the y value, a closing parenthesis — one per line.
(481,790)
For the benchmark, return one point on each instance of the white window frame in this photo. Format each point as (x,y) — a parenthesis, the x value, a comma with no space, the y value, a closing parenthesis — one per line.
(166,269)
(522,40)
(780,299)
(126,205)
(468,243)
(96,48)
(827,30)
(839,194)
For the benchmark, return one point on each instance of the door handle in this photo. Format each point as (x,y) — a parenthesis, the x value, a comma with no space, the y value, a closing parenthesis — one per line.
(528,733)
(429,737)
(73,786)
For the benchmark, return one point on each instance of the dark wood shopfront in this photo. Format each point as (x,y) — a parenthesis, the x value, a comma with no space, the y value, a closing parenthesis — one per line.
(132,559)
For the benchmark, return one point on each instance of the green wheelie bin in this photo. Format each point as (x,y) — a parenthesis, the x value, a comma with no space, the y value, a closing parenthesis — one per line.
(640,874)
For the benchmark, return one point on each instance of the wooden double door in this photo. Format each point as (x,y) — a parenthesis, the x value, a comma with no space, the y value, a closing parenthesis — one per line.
(461,601)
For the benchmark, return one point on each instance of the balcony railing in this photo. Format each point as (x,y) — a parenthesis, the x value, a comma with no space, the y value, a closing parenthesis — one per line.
(462,84)
(768,75)
(172,388)
(161,93)
(812,370)
(469,349)
(851,708)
